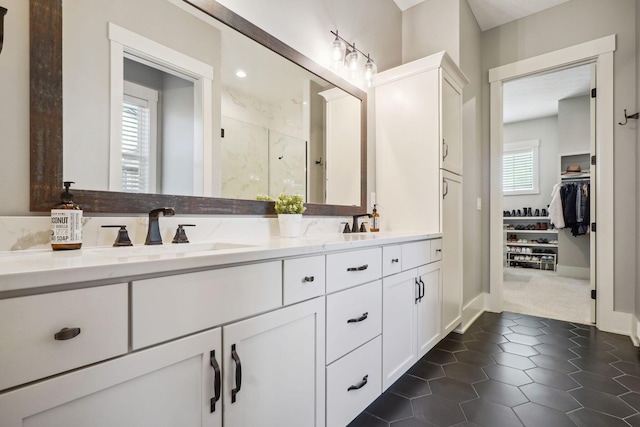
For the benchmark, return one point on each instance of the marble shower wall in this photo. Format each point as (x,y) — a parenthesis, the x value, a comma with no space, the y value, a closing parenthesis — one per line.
(263,150)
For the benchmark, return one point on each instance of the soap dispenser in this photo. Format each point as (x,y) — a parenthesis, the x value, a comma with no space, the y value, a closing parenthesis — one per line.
(66,222)
(375,216)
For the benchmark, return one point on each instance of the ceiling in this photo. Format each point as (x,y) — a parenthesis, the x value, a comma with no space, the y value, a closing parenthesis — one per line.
(537,96)
(493,13)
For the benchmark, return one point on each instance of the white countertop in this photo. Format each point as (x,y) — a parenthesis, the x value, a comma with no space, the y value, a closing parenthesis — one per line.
(20,270)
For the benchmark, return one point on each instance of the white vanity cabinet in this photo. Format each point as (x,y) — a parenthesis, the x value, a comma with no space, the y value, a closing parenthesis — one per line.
(412,322)
(273,371)
(303,341)
(354,325)
(164,386)
(418,110)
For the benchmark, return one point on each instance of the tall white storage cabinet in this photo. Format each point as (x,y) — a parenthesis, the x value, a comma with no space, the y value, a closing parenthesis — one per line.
(418,110)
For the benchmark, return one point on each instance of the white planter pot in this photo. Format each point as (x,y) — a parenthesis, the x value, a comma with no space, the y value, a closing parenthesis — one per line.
(290,225)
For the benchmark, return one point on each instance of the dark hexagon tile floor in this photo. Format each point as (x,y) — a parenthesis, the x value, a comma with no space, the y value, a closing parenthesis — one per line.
(512,369)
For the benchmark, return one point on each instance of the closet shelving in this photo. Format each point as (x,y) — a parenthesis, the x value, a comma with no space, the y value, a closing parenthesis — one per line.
(534,250)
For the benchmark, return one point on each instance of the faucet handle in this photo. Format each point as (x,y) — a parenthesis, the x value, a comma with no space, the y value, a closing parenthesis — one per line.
(363,227)
(346,229)
(122,239)
(181,236)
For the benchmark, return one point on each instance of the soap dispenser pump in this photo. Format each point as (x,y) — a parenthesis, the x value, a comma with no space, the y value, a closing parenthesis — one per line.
(66,222)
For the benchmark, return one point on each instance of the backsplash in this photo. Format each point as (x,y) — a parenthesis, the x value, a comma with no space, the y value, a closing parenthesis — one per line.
(33,232)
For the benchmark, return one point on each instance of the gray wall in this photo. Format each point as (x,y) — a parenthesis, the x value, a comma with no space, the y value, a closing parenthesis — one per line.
(546,131)
(568,24)
(433,26)
(637,287)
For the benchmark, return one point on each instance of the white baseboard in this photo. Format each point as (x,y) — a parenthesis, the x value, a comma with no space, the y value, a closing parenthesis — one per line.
(471,312)
(635,328)
(575,272)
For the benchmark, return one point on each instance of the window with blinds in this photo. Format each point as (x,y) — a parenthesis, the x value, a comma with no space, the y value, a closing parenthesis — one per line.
(136,145)
(520,168)
(138,149)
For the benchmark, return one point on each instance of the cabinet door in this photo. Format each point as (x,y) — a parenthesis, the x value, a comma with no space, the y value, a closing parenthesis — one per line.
(429,313)
(451,251)
(169,385)
(274,368)
(407,150)
(399,300)
(451,126)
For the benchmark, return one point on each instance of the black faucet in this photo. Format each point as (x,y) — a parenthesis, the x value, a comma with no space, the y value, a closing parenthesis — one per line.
(354,227)
(153,232)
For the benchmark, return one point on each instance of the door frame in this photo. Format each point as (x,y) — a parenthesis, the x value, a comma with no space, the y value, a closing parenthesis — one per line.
(600,52)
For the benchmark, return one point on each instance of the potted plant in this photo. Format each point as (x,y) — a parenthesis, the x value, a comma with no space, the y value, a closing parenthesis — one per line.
(289,209)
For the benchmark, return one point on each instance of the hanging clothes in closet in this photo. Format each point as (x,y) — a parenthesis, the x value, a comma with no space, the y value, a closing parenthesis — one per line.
(575,198)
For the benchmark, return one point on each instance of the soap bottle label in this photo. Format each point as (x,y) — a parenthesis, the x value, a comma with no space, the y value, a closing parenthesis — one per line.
(376,223)
(66,226)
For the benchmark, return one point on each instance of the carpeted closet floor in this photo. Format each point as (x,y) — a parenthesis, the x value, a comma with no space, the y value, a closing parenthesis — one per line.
(545,294)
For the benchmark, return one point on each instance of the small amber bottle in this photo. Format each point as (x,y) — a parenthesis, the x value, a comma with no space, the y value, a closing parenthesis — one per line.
(66,222)
(375,220)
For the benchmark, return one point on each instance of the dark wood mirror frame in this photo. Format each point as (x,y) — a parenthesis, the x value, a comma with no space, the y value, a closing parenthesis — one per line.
(46,143)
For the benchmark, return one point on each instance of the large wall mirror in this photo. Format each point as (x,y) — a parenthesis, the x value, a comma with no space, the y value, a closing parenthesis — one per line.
(192,107)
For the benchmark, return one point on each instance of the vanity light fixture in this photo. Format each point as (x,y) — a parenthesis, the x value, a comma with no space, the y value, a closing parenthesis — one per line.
(345,53)
(3,11)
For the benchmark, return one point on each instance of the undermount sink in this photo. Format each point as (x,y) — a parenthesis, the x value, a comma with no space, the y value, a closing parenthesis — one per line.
(168,249)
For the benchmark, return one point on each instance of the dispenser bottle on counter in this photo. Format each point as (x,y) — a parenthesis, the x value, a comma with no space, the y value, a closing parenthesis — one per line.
(375,220)
(66,222)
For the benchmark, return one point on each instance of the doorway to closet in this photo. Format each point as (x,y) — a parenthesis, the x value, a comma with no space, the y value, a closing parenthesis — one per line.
(548,139)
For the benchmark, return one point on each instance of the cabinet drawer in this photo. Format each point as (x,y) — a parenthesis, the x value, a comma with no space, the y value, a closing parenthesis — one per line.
(168,307)
(343,405)
(347,269)
(354,317)
(415,254)
(304,279)
(436,250)
(391,260)
(30,351)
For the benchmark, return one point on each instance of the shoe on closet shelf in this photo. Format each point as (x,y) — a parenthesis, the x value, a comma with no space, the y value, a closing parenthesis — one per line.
(553,242)
(544,226)
(544,212)
(537,212)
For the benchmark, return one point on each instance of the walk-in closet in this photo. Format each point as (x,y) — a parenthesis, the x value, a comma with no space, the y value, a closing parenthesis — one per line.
(548,136)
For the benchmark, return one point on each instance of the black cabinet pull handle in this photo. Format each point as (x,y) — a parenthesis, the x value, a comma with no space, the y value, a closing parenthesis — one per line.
(236,359)
(423,289)
(360,384)
(216,380)
(438,250)
(418,286)
(395,260)
(67,334)
(309,279)
(362,267)
(359,319)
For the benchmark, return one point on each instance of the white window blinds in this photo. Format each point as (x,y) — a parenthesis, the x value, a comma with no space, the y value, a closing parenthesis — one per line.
(520,168)
(136,145)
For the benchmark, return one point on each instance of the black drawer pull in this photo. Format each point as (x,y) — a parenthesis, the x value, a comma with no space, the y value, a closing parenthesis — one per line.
(360,384)
(236,359)
(362,267)
(419,291)
(438,250)
(309,279)
(423,289)
(359,319)
(67,334)
(395,260)
(217,382)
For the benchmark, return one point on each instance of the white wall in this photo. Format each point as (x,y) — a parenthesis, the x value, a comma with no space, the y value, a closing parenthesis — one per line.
(571,23)
(546,131)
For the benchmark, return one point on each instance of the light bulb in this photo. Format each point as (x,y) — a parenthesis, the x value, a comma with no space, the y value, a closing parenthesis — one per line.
(370,70)
(338,49)
(352,59)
